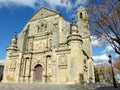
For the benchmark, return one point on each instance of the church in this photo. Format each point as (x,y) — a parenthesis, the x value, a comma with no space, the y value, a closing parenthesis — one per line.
(51,50)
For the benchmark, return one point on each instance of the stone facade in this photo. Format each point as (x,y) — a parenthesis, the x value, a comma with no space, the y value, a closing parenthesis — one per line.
(51,50)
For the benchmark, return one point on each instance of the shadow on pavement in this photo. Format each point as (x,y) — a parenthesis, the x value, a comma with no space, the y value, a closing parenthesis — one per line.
(108,88)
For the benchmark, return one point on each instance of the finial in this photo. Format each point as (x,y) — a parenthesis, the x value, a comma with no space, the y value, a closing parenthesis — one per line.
(15,35)
(73,20)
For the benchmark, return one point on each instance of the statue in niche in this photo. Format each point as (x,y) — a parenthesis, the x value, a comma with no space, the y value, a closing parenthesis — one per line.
(38,28)
(45,27)
(42,26)
(30,46)
(55,26)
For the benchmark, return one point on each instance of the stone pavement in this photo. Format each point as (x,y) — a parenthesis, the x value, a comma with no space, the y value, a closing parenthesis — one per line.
(38,86)
(9,86)
(109,87)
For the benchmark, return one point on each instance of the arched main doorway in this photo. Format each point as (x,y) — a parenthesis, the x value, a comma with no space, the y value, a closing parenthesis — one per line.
(38,73)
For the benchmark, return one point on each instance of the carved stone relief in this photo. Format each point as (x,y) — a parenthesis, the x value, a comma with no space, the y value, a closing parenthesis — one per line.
(12,65)
(62,61)
(39,45)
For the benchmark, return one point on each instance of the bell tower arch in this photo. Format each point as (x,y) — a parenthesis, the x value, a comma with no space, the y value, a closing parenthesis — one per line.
(82,22)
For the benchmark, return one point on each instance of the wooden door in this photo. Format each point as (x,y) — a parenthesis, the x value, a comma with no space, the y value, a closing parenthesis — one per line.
(38,73)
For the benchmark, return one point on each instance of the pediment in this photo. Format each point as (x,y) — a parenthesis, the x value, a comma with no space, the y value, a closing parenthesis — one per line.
(42,13)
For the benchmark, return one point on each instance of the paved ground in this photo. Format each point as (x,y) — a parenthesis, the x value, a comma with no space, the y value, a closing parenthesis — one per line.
(109,88)
(7,86)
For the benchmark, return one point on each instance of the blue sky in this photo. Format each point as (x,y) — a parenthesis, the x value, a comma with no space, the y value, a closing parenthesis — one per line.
(14,14)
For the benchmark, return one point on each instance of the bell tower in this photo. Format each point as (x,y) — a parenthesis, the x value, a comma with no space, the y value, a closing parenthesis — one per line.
(84,31)
(82,22)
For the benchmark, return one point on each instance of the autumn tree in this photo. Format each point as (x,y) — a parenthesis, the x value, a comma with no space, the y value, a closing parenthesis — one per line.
(117,64)
(109,73)
(99,73)
(103,73)
(96,72)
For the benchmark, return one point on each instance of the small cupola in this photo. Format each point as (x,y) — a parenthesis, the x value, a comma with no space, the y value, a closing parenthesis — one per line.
(74,35)
(14,40)
(74,28)
(13,44)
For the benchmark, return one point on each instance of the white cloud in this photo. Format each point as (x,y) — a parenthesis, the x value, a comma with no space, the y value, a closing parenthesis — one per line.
(97,42)
(100,42)
(2,62)
(8,3)
(100,59)
(108,49)
(39,3)
(81,2)
(54,3)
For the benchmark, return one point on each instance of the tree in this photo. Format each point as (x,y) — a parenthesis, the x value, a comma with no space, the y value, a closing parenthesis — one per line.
(99,73)
(105,21)
(117,64)
(103,73)
(109,73)
(96,72)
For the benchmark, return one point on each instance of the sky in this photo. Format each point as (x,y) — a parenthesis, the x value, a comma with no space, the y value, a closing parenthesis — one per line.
(14,14)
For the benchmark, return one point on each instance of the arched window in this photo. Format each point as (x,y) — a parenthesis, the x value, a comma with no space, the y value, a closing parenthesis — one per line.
(81,16)
(42,27)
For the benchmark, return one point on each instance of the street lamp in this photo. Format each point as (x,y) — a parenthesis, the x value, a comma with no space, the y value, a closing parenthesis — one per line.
(114,81)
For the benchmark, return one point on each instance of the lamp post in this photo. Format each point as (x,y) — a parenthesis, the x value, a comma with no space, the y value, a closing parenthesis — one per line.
(114,81)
